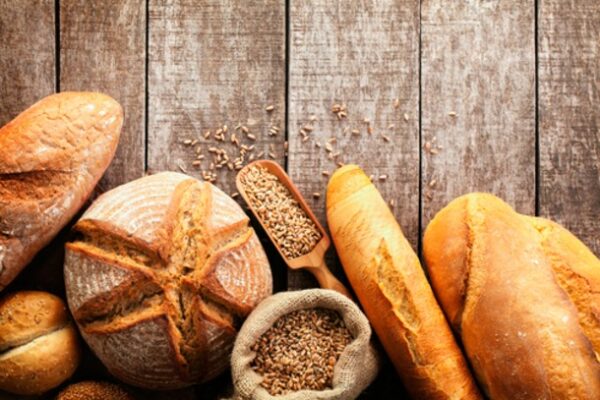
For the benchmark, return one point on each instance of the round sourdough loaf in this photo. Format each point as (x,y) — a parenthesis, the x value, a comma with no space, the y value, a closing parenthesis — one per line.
(162,272)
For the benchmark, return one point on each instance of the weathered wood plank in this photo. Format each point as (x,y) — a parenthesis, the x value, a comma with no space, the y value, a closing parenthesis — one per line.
(102,47)
(212,64)
(569,115)
(478,61)
(27,58)
(364,55)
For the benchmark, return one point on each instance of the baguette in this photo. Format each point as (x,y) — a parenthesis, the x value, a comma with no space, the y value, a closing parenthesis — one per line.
(494,278)
(387,277)
(51,157)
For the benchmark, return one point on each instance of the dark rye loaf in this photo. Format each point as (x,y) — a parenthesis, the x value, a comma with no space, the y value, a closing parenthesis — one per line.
(164,270)
(51,157)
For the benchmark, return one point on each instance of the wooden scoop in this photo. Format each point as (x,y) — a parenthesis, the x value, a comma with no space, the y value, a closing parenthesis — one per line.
(314,261)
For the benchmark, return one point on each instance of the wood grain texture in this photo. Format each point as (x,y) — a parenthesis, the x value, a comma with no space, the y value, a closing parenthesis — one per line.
(569,115)
(478,61)
(212,64)
(27,59)
(102,48)
(366,56)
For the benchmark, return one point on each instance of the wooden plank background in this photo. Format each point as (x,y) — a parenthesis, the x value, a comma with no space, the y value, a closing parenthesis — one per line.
(214,64)
(27,55)
(492,95)
(569,115)
(478,102)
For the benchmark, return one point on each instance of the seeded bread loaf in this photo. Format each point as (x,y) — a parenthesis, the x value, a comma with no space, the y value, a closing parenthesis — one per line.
(388,279)
(498,275)
(164,269)
(39,348)
(92,390)
(51,157)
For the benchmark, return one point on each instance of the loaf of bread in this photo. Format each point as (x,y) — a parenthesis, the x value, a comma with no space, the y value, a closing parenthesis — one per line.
(498,277)
(164,269)
(92,390)
(388,279)
(51,157)
(39,347)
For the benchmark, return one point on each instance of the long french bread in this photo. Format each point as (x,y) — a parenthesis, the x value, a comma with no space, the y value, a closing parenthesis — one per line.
(387,277)
(51,157)
(492,271)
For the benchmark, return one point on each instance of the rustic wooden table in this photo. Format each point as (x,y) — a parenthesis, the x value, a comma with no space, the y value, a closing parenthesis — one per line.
(475,95)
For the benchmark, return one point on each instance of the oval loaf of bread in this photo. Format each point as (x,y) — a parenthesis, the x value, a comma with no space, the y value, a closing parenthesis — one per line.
(39,348)
(51,157)
(163,271)
(522,294)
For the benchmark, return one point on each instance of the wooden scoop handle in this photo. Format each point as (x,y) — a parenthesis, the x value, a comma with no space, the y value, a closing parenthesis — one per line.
(327,280)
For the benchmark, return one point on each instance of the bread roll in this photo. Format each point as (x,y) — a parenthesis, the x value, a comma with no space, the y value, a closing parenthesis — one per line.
(38,345)
(51,157)
(493,276)
(388,279)
(163,271)
(91,390)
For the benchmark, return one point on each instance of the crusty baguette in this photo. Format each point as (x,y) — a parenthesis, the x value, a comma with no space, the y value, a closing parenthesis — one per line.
(39,348)
(388,279)
(494,280)
(51,157)
(163,270)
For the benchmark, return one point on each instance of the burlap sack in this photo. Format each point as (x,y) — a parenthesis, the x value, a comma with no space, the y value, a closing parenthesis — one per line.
(355,370)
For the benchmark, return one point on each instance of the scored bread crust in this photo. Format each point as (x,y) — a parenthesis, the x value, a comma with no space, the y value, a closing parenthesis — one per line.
(388,279)
(492,275)
(164,269)
(42,364)
(577,271)
(51,157)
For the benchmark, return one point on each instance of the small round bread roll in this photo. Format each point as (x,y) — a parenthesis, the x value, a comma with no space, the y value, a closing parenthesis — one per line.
(39,348)
(92,390)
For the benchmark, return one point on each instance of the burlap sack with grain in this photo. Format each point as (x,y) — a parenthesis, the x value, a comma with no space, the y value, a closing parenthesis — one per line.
(355,370)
